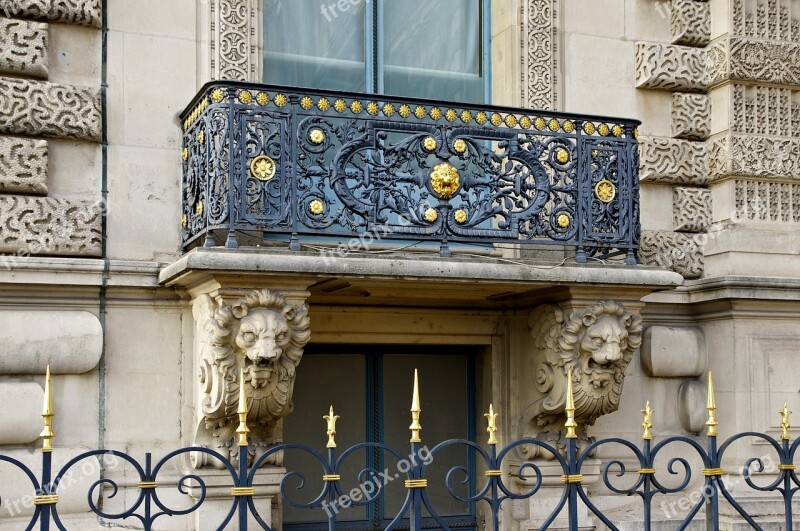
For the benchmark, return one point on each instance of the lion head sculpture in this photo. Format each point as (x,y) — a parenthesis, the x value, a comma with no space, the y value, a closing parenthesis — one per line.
(597,344)
(262,336)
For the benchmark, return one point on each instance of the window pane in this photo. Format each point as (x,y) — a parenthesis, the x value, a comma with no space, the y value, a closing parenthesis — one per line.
(433,49)
(308,44)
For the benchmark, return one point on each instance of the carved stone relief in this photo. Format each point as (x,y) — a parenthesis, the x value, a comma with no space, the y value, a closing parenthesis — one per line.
(682,253)
(23,47)
(597,344)
(764,111)
(765,201)
(49,109)
(691,116)
(766,62)
(263,336)
(540,58)
(669,160)
(670,67)
(23,165)
(765,19)
(754,156)
(235,41)
(81,12)
(690,22)
(48,226)
(691,209)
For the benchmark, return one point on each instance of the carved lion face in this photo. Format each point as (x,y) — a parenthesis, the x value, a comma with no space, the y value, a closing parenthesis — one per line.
(262,335)
(602,347)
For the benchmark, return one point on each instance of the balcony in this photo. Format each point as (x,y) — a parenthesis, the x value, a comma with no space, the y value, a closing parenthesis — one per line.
(319,166)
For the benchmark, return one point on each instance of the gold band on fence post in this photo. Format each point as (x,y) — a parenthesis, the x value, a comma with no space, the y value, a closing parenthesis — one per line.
(569,408)
(711,406)
(47,434)
(415,427)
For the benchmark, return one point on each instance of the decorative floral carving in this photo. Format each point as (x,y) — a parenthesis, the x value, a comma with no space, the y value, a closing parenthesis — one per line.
(691,209)
(23,165)
(23,47)
(43,225)
(754,156)
(767,62)
(81,12)
(262,335)
(682,253)
(48,109)
(691,116)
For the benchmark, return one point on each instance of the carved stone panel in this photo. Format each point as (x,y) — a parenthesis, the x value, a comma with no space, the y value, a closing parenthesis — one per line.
(766,62)
(44,225)
(691,116)
(669,160)
(49,109)
(23,165)
(765,201)
(760,110)
(691,209)
(23,48)
(690,22)
(754,156)
(235,40)
(682,253)
(670,67)
(540,57)
(81,12)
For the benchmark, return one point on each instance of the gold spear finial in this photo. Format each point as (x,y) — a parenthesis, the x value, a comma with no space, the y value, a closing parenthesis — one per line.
(711,406)
(242,430)
(785,421)
(331,433)
(491,416)
(569,408)
(415,427)
(47,434)
(647,424)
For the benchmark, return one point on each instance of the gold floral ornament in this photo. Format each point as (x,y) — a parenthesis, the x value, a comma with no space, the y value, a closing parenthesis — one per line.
(316,207)
(372,108)
(262,98)
(562,156)
(511,120)
(388,109)
(316,136)
(430,215)
(466,117)
(262,168)
(185,154)
(617,130)
(405,111)
(496,119)
(539,124)
(429,144)
(184,221)
(306,102)
(647,422)
(356,107)
(217,94)
(604,130)
(331,419)
(445,180)
(199,208)
(436,113)
(481,118)
(785,425)
(525,122)
(568,127)
(563,221)
(420,112)
(460,146)
(280,100)
(340,105)
(553,125)
(451,115)
(201,136)
(588,128)
(323,104)
(460,216)
(605,191)
(245,97)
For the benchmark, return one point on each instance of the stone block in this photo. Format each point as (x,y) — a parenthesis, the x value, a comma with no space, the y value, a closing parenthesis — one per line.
(38,108)
(673,352)
(670,67)
(691,405)
(691,209)
(81,12)
(691,116)
(676,251)
(23,48)
(23,165)
(690,22)
(71,342)
(43,225)
(22,406)
(668,160)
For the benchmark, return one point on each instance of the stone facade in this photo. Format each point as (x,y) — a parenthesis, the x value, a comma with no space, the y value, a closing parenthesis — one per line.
(94,284)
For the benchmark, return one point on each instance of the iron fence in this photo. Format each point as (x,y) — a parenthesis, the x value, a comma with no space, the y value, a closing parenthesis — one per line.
(495,488)
(261,160)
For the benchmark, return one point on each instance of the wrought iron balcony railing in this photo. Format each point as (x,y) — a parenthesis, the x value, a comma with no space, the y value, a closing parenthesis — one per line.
(260,160)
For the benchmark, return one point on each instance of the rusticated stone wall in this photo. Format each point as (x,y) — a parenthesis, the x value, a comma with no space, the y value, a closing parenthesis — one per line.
(33,111)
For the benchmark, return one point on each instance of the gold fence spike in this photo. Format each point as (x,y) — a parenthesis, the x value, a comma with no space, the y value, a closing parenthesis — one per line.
(711,406)
(47,434)
(331,432)
(785,421)
(647,423)
(415,427)
(491,429)
(569,408)
(242,430)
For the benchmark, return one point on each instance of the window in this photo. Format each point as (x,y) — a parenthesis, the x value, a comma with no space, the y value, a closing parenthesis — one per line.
(421,48)
(370,388)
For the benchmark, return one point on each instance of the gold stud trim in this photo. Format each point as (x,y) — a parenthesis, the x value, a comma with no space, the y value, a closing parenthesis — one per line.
(572,478)
(280,100)
(147,485)
(45,499)
(243,491)
(331,477)
(416,483)
(245,96)
(316,207)
(647,470)
(460,146)
(460,216)
(713,472)
(563,221)
(786,467)
(493,473)
(316,136)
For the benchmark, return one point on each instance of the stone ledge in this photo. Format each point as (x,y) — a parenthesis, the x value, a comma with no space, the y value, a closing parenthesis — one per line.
(23,48)
(81,12)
